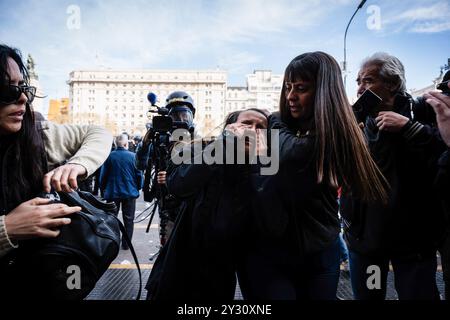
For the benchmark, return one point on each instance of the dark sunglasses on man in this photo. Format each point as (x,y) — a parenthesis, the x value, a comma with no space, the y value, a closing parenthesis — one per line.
(10,94)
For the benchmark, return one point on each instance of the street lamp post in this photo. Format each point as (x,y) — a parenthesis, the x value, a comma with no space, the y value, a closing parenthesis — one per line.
(344,64)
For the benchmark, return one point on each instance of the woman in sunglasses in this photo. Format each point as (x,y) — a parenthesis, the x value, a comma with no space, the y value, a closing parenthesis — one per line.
(25,150)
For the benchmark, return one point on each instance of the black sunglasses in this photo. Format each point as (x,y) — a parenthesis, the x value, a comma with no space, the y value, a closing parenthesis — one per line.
(10,94)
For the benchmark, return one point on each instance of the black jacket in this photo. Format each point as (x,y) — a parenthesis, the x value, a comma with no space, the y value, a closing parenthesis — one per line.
(294,212)
(411,223)
(199,261)
(442,186)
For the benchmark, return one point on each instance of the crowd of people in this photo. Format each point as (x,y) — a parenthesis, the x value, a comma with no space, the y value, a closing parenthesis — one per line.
(385,179)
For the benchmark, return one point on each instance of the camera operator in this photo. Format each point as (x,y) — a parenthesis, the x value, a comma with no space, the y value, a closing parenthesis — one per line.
(152,155)
(405,144)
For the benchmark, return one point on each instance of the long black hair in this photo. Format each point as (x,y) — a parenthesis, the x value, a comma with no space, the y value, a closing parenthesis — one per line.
(25,169)
(341,153)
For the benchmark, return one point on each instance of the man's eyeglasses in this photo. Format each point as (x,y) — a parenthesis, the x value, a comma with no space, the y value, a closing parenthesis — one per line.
(10,94)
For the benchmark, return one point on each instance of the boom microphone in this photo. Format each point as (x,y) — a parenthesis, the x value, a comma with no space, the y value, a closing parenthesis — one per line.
(151,97)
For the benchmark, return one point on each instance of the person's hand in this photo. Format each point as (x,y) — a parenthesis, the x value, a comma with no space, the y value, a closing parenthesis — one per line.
(261,142)
(237,129)
(441,105)
(63,178)
(161,177)
(390,121)
(37,218)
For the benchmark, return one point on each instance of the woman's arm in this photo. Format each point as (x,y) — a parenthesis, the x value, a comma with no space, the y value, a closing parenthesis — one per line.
(35,218)
(83,149)
(294,150)
(88,146)
(297,175)
(184,180)
(5,242)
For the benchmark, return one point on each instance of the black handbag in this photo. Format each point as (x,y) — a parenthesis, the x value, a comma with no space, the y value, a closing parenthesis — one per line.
(87,245)
(45,268)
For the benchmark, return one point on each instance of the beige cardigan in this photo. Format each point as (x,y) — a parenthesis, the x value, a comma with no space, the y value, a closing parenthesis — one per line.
(88,146)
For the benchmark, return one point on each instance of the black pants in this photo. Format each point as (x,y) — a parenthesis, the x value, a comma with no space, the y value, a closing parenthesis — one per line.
(286,276)
(415,278)
(128,209)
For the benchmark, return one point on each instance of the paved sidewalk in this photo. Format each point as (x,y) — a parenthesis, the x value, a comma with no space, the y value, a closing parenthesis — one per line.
(121,282)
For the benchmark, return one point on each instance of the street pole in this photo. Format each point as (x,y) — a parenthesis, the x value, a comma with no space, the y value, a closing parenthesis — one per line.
(344,65)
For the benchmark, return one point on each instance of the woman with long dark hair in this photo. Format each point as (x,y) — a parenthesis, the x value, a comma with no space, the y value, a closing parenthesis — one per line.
(30,155)
(294,253)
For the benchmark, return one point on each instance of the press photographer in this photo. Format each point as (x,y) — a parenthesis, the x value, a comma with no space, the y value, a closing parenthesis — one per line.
(153,154)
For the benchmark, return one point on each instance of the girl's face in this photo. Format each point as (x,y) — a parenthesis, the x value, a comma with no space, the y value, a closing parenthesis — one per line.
(300,97)
(248,126)
(11,115)
(253,120)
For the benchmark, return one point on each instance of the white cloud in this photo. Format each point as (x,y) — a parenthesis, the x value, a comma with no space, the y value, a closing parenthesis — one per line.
(431,27)
(236,62)
(161,34)
(439,10)
(432,17)
(138,34)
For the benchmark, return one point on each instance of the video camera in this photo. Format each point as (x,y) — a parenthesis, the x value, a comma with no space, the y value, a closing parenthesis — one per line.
(177,114)
(168,119)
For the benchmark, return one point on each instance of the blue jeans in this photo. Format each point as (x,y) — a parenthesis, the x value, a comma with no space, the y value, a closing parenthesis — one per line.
(415,278)
(266,276)
(343,249)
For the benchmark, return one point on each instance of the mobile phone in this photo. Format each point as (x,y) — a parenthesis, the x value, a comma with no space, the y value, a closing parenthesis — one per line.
(367,104)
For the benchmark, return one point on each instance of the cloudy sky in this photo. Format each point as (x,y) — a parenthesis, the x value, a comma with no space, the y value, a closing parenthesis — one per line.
(236,35)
